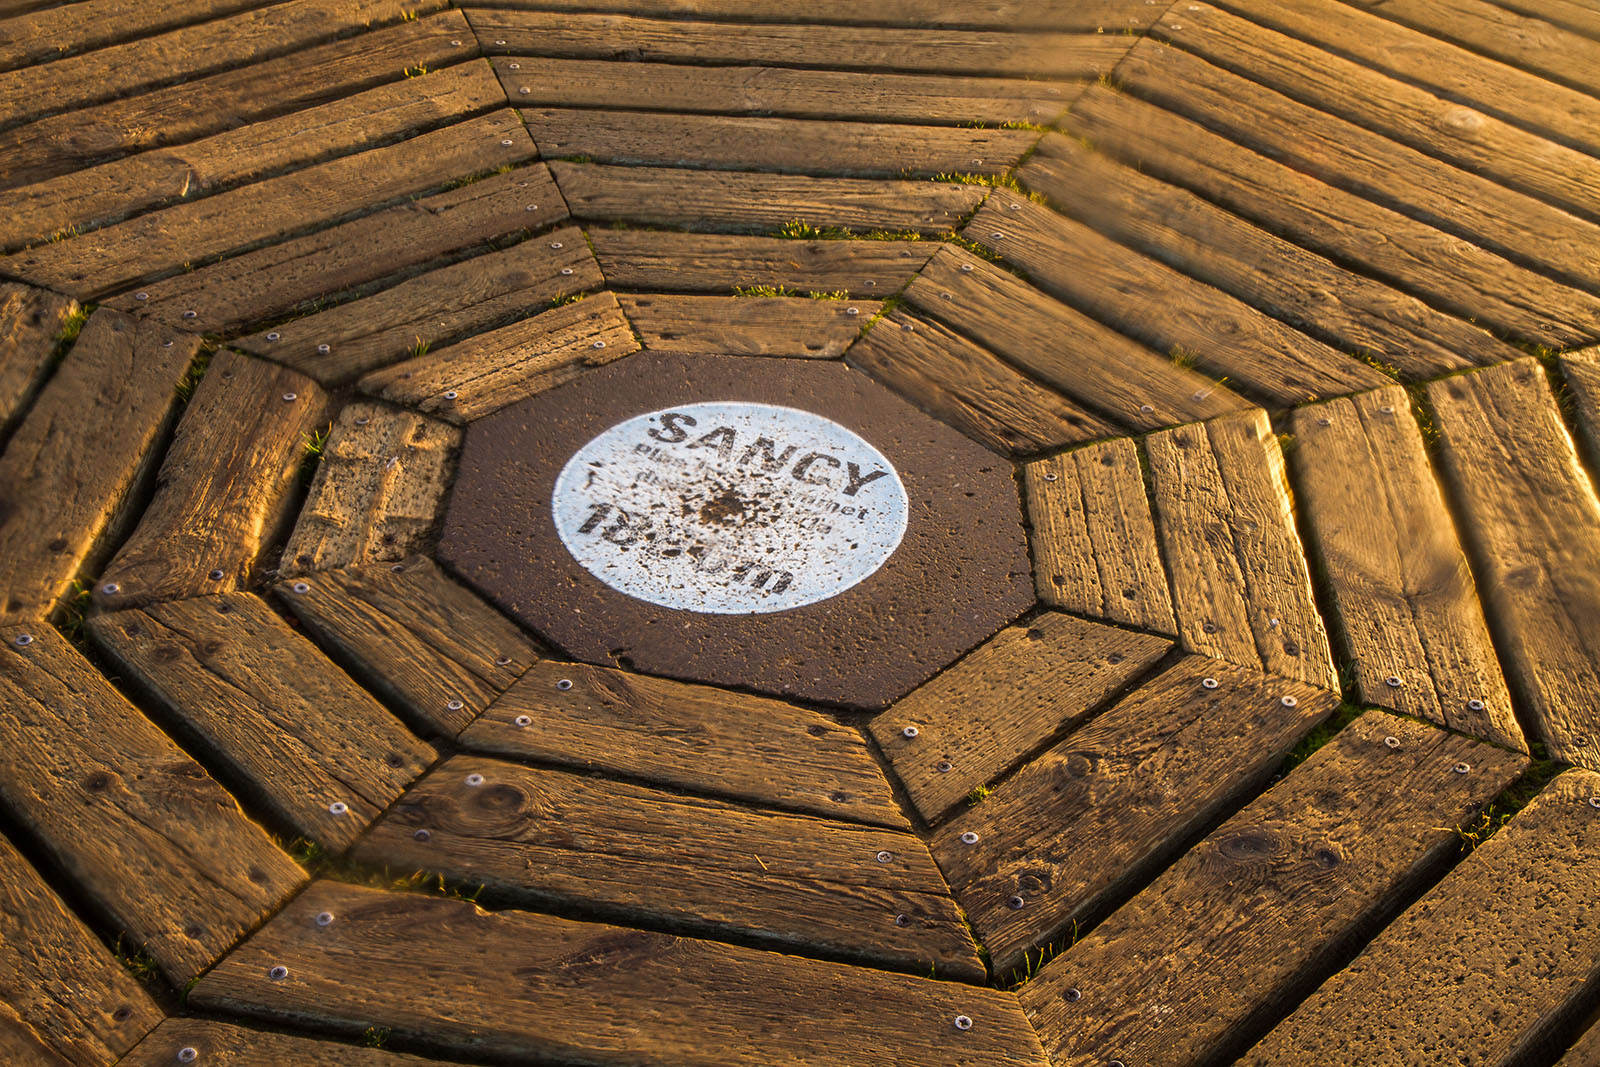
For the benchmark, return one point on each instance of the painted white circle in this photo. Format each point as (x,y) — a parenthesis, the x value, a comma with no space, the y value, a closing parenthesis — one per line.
(729,508)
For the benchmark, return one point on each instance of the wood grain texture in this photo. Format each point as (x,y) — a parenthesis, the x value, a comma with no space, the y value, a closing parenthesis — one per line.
(140,827)
(708,263)
(694,737)
(1581,373)
(224,487)
(1406,606)
(424,643)
(1241,587)
(31,321)
(1107,372)
(1533,524)
(736,202)
(298,735)
(66,476)
(643,856)
(1585,1052)
(377,492)
(970,388)
(228,1045)
(727,325)
(503,985)
(1094,543)
(21,1043)
(58,979)
(1270,900)
(1097,15)
(1096,815)
(1028,685)
(482,374)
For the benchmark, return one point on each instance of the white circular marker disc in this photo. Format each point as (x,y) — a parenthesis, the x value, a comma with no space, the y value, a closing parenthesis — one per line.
(729,508)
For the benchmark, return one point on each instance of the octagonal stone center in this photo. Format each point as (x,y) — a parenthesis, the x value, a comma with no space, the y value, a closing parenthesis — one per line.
(729,507)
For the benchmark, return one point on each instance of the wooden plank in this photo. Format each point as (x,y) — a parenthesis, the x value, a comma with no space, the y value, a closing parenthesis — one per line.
(1094,543)
(130,818)
(377,491)
(1025,687)
(1445,271)
(1240,584)
(1407,608)
(296,274)
(98,195)
(926,51)
(31,321)
(1575,15)
(1107,372)
(483,374)
(172,114)
(118,257)
(1585,1052)
(58,979)
(1464,136)
(1342,307)
(970,388)
(1533,525)
(251,36)
(221,1044)
(691,262)
(1581,372)
(1446,979)
(1095,816)
(703,867)
(739,202)
(791,146)
(432,309)
(297,734)
(439,969)
(21,1043)
(714,741)
(37,37)
(66,476)
(536,81)
(419,640)
(1168,311)
(710,325)
(225,487)
(1270,900)
(1097,15)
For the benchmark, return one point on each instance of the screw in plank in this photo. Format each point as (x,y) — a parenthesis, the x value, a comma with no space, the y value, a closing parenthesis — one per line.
(1119,1063)
(1394,681)
(530,207)
(852,311)
(362,420)
(23,640)
(908,327)
(1016,207)
(111,589)
(884,857)
(1392,742)
(451,394)
(325,918)
(502,661)
(1462,768)
(902,920)
(216,575)
(506,142)
(455,705)
(141,296)
(1016,902)
(1072,995)
(997,236)
(598,344)
(977,162)
(1323,420)
(1289,702)
(499,42)
(514,66)
(1594,802)
(1147,409)
(1050,476)
(1387,409)
(966,268)
(278,973)
(564,684)
(945,766)
(524,91)
(167,343)
(191,314)
(523,720)
(301,587)
(457,44)
(555,244)
(474,779)
(422,834)
(963,1023)
(911,731)
(188,1054)
(338,807)
(566,270)
(324,349)
(289,397)
(969,838)
(274,335)
(1209,683)
(1475,704)
(1209,627)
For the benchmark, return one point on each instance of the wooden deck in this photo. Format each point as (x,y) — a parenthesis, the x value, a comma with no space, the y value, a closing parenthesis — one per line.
(1286,314)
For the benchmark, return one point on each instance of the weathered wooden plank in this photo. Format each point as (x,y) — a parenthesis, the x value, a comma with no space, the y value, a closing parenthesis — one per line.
(1446,978)
(535,81)
(697,737)
(483,374)
(700,866)
(37,37)
(1444,270)
(1533,523)
(1575,15)
(67,473)
(970,388)
(120,69)
(440,969)
(1169,311)
(21,1043)
(1109,373)
(1064,838)
(31,321)
(1026,686)
(58,979)
(791,146)
(1581,371)
(691,262)
(299,736)
(1407,608)
(136,823)
(1097,15)
(172,114)
(424,643)
(1342,307)
(220,1044)
(1240,584)
(927,51)
(707,325)
(225,486)
(738,202)
(111,192)
(1094,543)
(432,309)
(377,491)
(1585,1052)
(1270,900)
(118,257)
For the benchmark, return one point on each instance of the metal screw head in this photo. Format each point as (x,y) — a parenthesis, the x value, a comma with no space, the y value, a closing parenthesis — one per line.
(852,311)
(1016,207)
(362,420)
(278,973)
(566,270)
(969,838)
(530,207)
(141,296)
(997,236)
(325,918)
(506,142)
(1387,409)
(450,394)
(502,661)
(555,244)
(1323,420)
(300,587)
(421,835)
(1289,702)
(1394,681)
(524,91)
(944,766)
(598,344)
(1147,409)
(1462,768)
(966,268)
(1209,683)
(167,343)
(1209,627)
(191,314)
(1475,704)
(884,857)
(188,1054)
(324,349)
(499,42)
(22,640)
(902,920)
(1392,742)
(523,720)
(456,43)
(454,705)
(1072,995)
(564,684)
(338,807)
(963,1023)
(1050,476)
(1594,802)
(274,335)
(911,731)
(289,397)
(111,589)
(1015,902)
(474,779)
(216,575)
